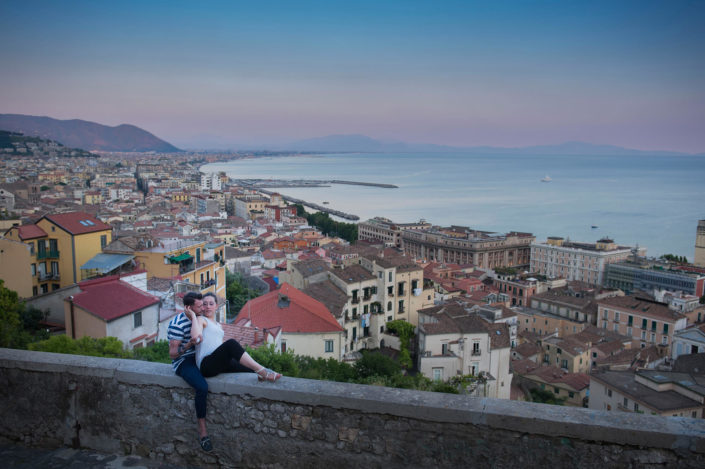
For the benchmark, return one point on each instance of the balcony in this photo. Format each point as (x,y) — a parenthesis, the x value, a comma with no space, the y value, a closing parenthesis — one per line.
(401,311)
(367,298)
(476,353)
(44,276)
(47,255)
(355,300)
(207,284)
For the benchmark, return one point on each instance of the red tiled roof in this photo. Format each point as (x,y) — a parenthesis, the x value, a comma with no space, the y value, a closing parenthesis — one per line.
(71,222)
(248,336)
(303,313)
(109,298)
(30,232)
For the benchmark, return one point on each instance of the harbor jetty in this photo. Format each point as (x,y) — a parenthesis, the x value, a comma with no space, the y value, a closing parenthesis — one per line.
(262,185)
(273,183)
(320,208)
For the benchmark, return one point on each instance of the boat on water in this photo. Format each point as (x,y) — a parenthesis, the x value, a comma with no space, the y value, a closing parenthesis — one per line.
(546,178)
(325,202)
(594,227)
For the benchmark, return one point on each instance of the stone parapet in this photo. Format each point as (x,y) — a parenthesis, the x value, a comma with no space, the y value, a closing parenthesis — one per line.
(142,408)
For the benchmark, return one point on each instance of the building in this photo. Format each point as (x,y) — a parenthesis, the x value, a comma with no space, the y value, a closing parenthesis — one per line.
(386,231)
(688,341)
(585,262)
(572,387)
(466,246)
(110,307)
(15,267)
(454,341)
(649,275)
(277,213)
(250,207)
(211,181)
(646,321)
(307,327)
(59,245)
(177,259)
(663,393)
(700,244)
(575,302)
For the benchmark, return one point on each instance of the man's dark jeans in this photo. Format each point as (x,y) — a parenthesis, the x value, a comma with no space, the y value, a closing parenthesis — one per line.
(189,371)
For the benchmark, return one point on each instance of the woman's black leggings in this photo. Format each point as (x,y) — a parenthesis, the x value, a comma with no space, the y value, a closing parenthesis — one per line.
(224,359)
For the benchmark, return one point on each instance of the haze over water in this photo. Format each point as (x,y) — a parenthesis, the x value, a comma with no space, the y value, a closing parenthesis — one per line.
(654,201)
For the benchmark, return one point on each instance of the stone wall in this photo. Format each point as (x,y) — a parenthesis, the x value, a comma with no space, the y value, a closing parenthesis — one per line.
(133,407)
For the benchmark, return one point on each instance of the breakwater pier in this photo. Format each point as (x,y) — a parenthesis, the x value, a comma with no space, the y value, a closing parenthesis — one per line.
(263,185)
(274,183)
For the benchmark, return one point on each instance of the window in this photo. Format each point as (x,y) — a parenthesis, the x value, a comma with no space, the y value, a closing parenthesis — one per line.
(33,268)
(401,306)
(35,291)
(629,331)
(390,276)
(137,318)
(653,326)
(653,337)
(644,323)
(45,288)
(103,241)
(556,390)
(665,328)
(636,407)
(564,363)
(616,327)
(643,335)
(630,321)
(609,393)
(329,346)
(664,340)
(626,402)
(616,315)
(438,374)
(389,305)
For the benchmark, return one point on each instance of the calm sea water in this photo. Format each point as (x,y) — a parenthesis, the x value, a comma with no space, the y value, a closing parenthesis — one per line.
(653,201)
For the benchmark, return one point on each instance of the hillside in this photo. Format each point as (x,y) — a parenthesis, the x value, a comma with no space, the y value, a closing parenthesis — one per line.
(16,144)
(88,135)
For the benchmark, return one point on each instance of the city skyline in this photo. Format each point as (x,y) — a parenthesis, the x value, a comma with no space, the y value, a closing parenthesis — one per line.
(460,74)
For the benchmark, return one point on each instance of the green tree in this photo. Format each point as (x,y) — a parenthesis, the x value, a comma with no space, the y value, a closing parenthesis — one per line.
(268,356)
(405,332)
(376,364)
(10,322)
(157,352)
(237,291)
(545,397)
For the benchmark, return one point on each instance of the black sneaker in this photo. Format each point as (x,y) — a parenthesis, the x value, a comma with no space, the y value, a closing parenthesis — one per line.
(206,444)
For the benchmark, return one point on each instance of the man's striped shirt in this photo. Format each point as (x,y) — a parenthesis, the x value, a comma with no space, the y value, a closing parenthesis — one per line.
(180,329)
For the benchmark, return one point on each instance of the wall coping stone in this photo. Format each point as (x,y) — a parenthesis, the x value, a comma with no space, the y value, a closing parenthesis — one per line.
(620,428)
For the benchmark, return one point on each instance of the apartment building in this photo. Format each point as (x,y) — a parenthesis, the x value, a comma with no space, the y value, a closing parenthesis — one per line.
(699,258)
(250,207)
(211,181)
(647,322)
(649,275)
(575,302)
(664,393)
(307,327)
(385,230)
(585,262)
(454,341)
(59,244)
(466,246)
(571,387)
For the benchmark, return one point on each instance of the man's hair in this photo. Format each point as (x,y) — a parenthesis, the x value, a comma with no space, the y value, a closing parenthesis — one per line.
(191,297)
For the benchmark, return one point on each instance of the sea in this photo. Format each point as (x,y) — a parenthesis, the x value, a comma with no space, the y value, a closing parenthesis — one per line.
(654,202)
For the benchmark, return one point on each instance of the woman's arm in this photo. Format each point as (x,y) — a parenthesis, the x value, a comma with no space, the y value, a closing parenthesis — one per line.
(196,327)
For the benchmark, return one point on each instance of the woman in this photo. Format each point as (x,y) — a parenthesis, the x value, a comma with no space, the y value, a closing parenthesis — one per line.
(214,356)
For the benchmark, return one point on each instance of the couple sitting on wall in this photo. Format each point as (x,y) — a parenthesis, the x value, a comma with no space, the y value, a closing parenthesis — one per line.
(197,350)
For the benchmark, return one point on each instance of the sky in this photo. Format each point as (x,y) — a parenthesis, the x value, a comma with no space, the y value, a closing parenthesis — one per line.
(467,73)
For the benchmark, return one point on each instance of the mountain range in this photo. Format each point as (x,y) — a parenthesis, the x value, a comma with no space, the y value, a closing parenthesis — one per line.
(87,135)
(129,138)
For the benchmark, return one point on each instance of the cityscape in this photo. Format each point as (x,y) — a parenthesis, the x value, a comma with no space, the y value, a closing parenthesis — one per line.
(454,327)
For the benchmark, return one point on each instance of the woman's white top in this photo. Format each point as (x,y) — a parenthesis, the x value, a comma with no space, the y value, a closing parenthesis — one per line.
(212,338)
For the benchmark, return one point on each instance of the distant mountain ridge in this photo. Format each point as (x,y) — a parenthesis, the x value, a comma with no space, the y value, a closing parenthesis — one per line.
(363,143)
(88,135)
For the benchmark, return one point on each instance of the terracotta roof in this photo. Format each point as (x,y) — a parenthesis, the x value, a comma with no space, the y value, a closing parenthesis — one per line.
(310,267)
(330,295)
(248,336)
(554,375)
(527,350)
(642,307)
(353,274)
(30,232)
(109,298)
(292,310)
(77,222)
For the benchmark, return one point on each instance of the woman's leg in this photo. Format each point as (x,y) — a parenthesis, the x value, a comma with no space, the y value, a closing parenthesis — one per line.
(229,357)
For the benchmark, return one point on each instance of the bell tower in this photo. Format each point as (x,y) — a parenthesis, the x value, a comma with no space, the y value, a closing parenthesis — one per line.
(700,244)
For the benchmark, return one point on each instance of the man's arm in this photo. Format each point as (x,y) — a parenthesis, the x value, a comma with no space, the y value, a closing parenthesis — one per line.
(176,349)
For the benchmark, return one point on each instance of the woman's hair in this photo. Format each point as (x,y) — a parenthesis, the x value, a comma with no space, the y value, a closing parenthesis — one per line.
(215,297)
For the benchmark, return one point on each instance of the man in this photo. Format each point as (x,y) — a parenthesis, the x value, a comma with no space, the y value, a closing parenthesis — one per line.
(183,355)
